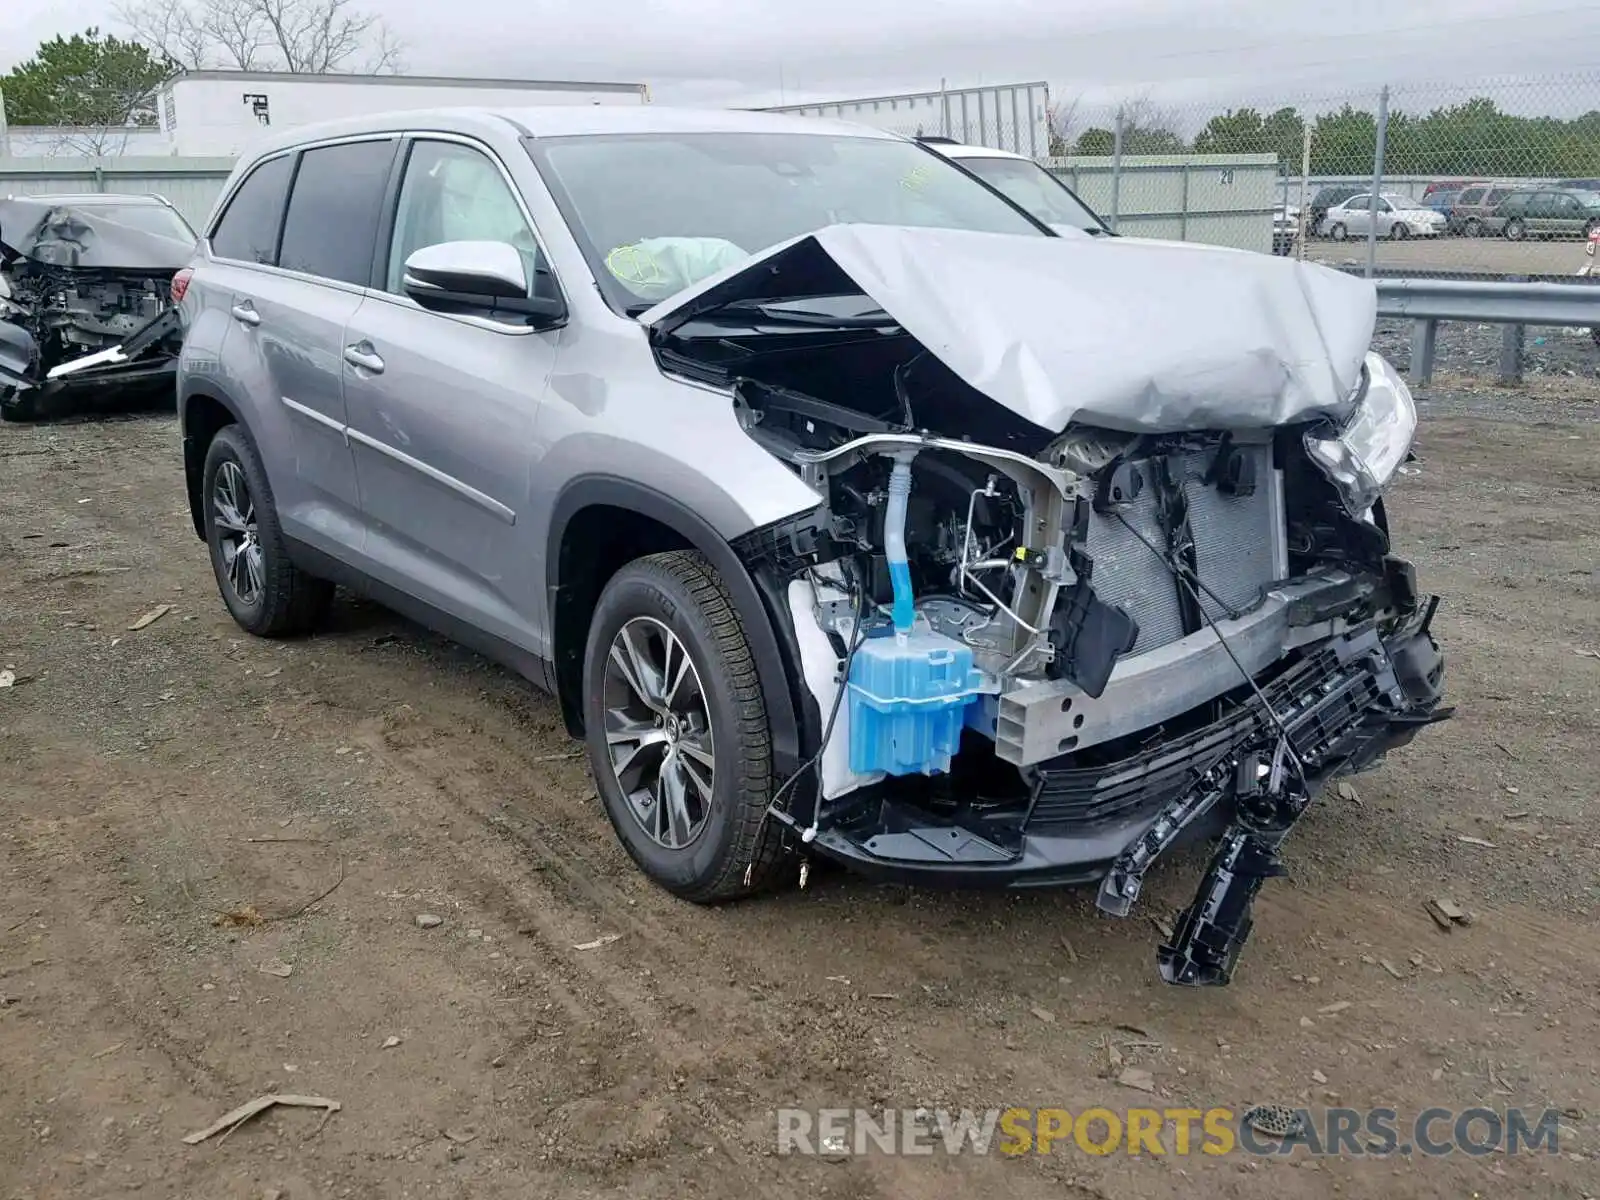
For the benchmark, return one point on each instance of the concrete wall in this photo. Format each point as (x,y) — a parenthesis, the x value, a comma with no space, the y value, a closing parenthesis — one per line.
(192,185)
(1218,199)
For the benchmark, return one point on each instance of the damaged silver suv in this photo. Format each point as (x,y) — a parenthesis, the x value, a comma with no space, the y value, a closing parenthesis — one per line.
(847,510)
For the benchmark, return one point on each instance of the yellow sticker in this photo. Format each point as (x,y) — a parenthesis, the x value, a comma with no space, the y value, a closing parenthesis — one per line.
(634,266)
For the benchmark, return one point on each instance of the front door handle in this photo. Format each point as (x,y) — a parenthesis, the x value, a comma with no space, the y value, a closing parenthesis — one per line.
(362,355)
(246,313)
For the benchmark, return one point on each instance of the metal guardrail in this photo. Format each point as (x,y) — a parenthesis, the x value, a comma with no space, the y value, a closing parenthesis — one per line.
(1515,304)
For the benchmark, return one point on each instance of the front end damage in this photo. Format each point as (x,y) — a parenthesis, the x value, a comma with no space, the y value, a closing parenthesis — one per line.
(86,316)
(1059,608)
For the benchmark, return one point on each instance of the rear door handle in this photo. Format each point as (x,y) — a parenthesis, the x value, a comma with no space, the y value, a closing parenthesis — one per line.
(246,313)
(362,355)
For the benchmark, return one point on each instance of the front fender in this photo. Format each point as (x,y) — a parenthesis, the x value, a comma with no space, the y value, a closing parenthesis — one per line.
(777,678)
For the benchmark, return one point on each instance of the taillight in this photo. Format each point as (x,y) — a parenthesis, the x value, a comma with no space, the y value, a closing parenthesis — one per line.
(180,284)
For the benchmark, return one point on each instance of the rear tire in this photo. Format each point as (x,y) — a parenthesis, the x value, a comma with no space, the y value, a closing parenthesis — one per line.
(265,592)
(1338,232)
(18,406)
(676,729)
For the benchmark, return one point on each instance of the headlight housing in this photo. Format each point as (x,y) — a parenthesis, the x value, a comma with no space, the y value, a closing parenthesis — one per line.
(1366,453)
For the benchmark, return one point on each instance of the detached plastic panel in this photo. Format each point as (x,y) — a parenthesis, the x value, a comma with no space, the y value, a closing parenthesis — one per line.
(908,702)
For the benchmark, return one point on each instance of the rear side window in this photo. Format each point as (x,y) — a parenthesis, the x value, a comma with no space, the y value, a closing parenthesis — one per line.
(248,230)
(332,222)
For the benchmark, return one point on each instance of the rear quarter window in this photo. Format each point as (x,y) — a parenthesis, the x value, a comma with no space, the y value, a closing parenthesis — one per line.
(331,226)
(248,229)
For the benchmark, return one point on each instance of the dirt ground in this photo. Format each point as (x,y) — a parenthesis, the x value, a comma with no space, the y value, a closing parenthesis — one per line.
(155,779)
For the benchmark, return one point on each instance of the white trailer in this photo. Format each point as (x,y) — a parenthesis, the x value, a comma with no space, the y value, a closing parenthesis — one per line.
(1010,116)
(218,113)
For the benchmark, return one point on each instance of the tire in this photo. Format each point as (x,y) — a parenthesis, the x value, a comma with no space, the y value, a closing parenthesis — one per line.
(18,406)
(1399,231)
(1515,230)
(1588,230)
(1472,228)
(1338,232)
(270,596)
(716,708)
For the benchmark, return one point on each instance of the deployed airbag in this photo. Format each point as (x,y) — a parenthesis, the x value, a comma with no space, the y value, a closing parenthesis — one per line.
(1132,336)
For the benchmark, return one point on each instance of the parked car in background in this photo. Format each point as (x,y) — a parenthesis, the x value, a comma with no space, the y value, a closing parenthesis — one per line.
(1441,202)
(1285,228)
(1025,183)
(1581,185)
(1443,185)
(818,481)
(1546,212)
(1326,198)
(1398,217)
(1475,203)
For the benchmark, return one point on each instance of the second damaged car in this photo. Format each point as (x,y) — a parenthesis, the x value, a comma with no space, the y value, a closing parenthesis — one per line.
(848,511)
(87,318)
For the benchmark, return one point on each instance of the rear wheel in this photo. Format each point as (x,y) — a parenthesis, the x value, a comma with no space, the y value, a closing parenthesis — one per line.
(1338,232)
(17,405)
(677,728)
(266,593)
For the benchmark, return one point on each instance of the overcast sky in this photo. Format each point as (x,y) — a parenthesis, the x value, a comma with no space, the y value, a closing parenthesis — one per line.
(722,52)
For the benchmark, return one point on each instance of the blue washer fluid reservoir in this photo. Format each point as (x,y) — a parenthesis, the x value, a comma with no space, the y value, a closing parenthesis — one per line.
(908,702)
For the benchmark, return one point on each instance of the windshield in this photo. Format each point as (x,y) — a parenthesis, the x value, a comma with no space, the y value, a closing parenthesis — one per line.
(1028,184)
(655,213)
(148,218)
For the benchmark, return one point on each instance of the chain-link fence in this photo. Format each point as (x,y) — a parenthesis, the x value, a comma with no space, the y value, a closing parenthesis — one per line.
(1495,177)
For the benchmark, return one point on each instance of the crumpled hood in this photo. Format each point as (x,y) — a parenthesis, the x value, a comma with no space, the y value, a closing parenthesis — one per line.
(85,237)
(1110,332)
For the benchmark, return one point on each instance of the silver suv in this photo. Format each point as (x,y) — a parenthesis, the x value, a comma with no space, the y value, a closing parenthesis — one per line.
(848,511)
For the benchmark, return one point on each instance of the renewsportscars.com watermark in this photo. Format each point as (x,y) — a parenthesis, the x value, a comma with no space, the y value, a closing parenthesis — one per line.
(1352,1132)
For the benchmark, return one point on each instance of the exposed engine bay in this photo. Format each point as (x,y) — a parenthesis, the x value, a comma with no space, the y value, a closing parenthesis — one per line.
(86,312)
(1042,657)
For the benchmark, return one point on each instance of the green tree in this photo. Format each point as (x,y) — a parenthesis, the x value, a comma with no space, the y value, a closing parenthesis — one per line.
(1246,131)
(89,80)
(1095,143)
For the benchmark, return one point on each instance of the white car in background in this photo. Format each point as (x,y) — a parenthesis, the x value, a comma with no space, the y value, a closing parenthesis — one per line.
(1397,217)
(1026,184)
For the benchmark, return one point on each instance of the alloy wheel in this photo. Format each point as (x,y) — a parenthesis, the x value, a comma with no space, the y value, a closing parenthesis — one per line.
(658,732)
(238,538)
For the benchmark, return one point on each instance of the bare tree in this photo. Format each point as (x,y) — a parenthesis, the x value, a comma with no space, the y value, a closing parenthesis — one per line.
(300,36)
(87,141)
(1061,118)
(1150,128)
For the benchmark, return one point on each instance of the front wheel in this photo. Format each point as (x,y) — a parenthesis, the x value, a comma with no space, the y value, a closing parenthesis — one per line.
(266,593)
(677,729)
(1515,230)
(1399,232)
(1473,227)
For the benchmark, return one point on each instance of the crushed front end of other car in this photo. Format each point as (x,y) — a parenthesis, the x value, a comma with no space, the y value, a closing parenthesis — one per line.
(86,304)
(1100,563)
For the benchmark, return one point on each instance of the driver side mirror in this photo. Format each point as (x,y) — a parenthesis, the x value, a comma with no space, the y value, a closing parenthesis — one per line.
(482,279)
